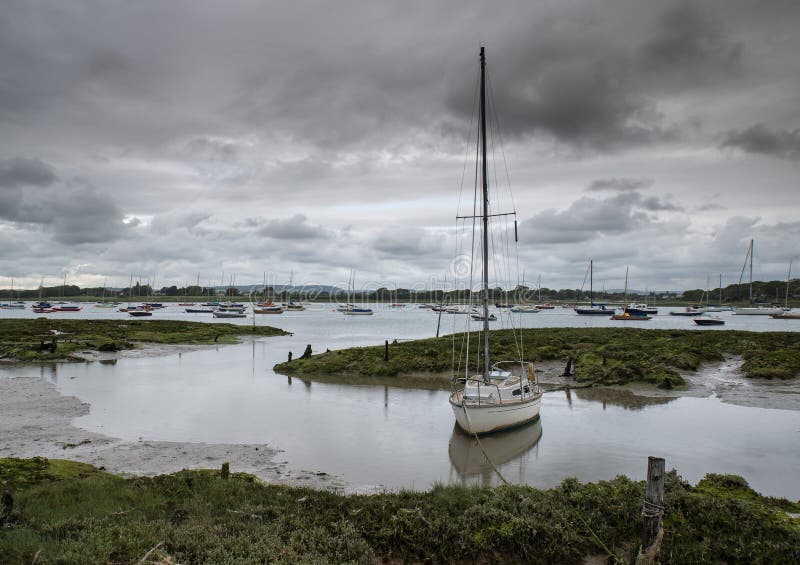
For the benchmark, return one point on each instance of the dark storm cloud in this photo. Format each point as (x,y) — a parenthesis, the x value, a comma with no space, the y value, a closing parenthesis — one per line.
(72,212)
(595,78)
(190,115)
(19,171)
(584,96)
(760,139)
(691,44)
(619,184)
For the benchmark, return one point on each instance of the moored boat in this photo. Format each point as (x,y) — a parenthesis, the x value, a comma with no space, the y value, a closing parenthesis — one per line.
(525,309)
(140,313)
(358,312)
(757,311)
(688,311)
(786,316)
(229,314)
(708,320)
(491,397)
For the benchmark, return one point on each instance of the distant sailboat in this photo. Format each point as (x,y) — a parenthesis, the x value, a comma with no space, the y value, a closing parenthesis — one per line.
(594,309)
(754,310)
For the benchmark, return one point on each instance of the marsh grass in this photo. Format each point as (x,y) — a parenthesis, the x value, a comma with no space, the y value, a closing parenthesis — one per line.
(89,516)
(600,355)
(27,340)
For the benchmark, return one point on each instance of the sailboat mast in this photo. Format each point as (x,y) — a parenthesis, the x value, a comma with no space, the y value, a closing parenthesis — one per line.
(591,292)
(751,271)
(788,278)
(485,221)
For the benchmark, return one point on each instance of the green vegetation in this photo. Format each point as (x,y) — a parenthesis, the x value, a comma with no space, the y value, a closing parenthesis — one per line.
(57,340)
(600,355)
(71,513)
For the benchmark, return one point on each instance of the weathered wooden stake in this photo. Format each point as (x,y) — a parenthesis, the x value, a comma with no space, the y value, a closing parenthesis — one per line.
(386,351)
(6,506)
(226,471)
(290,357)
(307,353)
(568,368)
(652,512)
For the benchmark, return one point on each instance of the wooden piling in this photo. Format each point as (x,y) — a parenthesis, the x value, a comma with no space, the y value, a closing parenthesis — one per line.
(307,353)
(568,368)
(652,512)
(6,506)
(386,351)
(225,471)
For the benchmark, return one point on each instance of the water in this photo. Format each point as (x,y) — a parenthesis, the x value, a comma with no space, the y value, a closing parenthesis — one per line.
(386,437)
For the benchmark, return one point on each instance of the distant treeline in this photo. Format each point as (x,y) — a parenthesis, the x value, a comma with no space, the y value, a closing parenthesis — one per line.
(772,291)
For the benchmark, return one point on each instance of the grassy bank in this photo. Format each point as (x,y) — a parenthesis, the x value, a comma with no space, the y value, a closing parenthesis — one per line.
(57,340)
(600,355)
(72,513)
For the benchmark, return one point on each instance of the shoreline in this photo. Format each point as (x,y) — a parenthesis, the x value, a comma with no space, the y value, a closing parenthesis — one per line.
(36,420)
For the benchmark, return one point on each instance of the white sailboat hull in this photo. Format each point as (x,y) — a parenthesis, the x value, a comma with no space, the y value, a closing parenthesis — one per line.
(757,311)
(484,419)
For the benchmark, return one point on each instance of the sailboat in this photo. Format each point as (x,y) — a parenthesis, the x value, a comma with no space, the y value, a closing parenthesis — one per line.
(754,310)
(627,316)
(504,394)
(62,306)
(787,313)
(12,305)
(710,307)
(296,306)
(707,319)
(351,309)
(594,309)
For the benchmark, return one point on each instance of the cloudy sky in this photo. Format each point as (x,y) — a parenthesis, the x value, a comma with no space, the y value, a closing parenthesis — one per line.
(185,138)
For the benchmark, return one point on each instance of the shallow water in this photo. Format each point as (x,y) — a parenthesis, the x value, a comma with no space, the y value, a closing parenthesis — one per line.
(384,437)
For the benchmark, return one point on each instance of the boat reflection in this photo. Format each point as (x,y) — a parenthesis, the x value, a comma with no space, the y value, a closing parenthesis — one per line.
(468,459)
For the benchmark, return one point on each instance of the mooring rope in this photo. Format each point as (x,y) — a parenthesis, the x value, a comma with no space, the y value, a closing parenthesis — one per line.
(480,445)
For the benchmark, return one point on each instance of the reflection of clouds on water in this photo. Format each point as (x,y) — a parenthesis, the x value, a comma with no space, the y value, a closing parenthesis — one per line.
(727,381)
(620,397)
(470,461)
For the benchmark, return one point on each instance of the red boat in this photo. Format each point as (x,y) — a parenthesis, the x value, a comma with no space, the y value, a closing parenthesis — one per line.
(43,310)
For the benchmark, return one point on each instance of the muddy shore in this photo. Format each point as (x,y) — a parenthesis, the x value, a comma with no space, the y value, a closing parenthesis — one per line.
(35,420)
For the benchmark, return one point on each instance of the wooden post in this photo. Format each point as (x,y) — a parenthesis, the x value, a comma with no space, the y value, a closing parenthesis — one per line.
(307,353)
(652,512)
(386,351)
(290,357)
(226,470)
(568,368)
(6,506)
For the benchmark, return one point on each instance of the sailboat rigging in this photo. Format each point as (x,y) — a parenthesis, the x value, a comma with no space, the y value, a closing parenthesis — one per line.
(753,310)
(502,395)
(594,309)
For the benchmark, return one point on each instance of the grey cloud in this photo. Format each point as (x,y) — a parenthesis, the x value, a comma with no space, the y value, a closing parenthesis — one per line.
(590,218)
(689,43)
(74,213)
(619,184)
(399,242)
(762,140)
(19,171)
(296,227)
(214,148)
